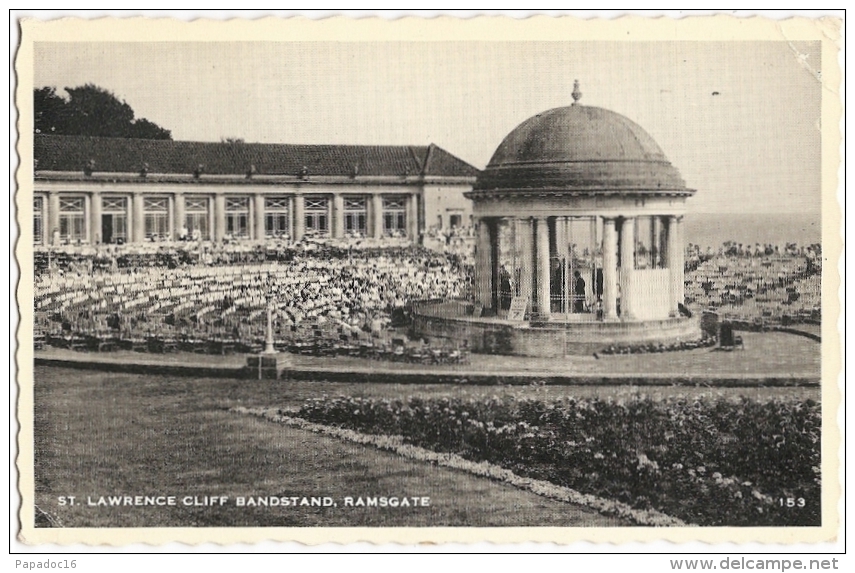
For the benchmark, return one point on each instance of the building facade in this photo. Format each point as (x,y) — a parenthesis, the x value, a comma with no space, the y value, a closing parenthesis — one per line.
(90,190)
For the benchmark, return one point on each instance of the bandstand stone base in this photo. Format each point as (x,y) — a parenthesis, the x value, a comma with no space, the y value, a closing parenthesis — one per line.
(454,321)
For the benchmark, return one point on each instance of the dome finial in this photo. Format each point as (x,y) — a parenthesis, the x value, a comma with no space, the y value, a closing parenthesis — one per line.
(577,95)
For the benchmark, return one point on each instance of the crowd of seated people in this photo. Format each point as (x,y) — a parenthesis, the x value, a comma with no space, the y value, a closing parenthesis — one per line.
(766,285)
(459,240)
(324,294)
(112,257)
(206,297)
(696,254)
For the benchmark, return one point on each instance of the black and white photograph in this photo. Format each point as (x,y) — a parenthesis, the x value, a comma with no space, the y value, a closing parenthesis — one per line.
(429,279)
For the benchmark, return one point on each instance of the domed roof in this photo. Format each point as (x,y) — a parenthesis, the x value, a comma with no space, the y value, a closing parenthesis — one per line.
(580,149)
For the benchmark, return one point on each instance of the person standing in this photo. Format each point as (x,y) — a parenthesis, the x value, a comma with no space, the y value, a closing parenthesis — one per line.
(505,288)
(578,292)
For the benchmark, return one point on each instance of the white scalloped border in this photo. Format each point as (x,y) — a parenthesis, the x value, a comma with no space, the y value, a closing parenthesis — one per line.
(542,488)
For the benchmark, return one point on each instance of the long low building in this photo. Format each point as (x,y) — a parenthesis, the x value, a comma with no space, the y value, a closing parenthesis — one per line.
(96,190)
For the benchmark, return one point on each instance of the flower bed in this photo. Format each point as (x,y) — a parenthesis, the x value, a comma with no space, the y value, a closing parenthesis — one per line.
(714,462)
(651,348)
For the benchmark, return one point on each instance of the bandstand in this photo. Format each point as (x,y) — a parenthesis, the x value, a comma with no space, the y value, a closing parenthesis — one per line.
(579,241)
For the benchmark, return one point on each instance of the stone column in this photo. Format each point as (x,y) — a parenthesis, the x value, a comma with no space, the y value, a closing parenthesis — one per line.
(138,212)
(543,286)
(212,218)
(627,266)
(525,232)
(421,224)
(299,218)
(95,219)
(484,265)
(609,270)
(558,253)
(377,215)
(260,231)
(180,216)
(675,261)
(129,219)
(219,217)
(680,283)
(87,218)
(338,216)
(569,281)
(653,246)
(53,217)
(662,223)
(412,218)
(170,217)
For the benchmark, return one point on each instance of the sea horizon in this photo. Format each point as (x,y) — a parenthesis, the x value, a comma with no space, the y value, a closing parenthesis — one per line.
(713,229)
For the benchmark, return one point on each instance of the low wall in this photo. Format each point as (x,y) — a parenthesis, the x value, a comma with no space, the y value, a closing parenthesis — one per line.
(797,332)
(387,374)
(143,368)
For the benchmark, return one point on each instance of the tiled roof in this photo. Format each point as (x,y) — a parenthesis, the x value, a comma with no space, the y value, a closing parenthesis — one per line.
(117,155)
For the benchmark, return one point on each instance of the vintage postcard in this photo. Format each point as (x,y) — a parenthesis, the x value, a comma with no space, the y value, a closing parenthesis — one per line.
(429,280)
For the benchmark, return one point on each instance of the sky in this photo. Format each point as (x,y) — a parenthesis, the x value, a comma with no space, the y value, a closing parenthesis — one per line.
(740,120)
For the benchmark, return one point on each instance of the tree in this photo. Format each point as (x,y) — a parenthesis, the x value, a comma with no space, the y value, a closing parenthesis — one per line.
(90,110)
(145,129)
(49,111)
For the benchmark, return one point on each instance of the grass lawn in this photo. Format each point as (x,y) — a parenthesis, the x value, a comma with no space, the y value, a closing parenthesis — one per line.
(100,434)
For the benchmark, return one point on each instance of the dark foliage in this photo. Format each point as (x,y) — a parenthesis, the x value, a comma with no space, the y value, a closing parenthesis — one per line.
(92,111)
